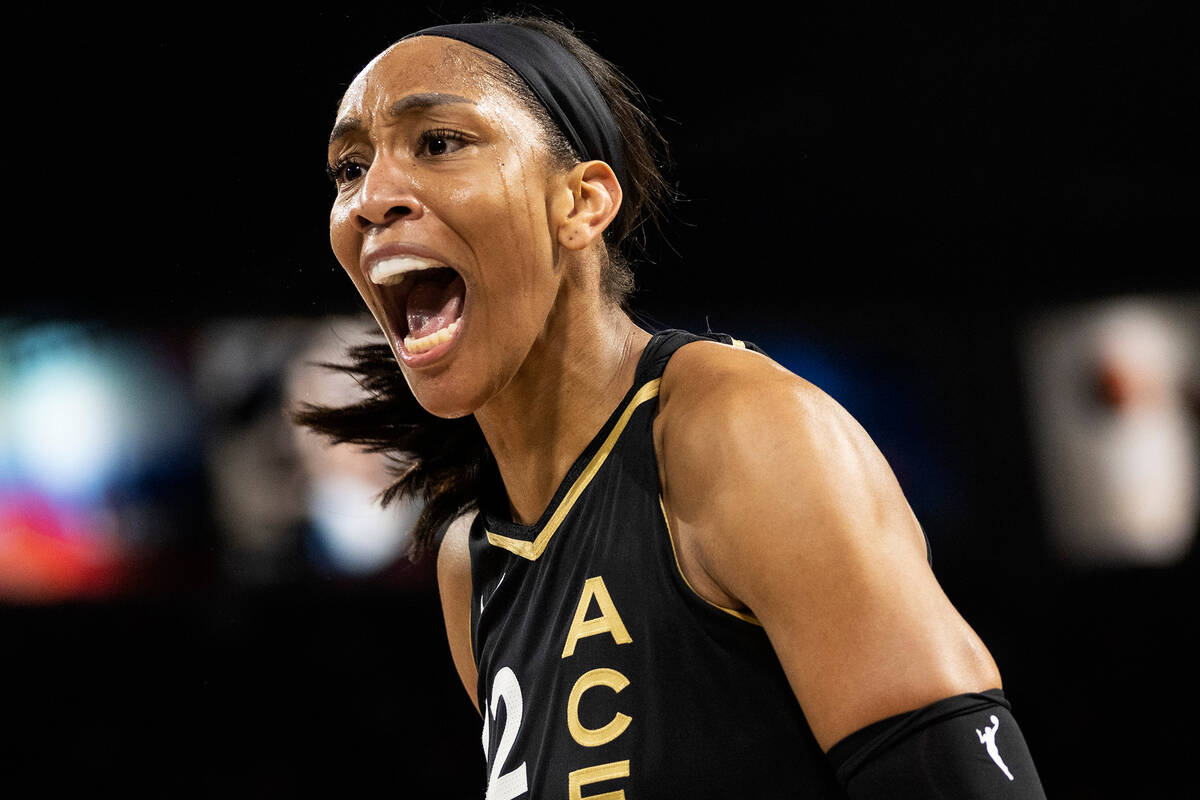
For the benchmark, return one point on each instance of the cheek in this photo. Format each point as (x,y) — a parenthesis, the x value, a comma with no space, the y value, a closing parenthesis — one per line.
(343,238)
(345,241)
(520,173)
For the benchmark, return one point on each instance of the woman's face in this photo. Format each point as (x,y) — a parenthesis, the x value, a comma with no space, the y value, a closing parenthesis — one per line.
(445,218)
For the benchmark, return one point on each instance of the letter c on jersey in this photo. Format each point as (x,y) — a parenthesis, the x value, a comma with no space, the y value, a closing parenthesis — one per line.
(594,737)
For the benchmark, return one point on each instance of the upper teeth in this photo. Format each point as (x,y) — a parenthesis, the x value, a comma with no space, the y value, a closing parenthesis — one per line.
(392,270)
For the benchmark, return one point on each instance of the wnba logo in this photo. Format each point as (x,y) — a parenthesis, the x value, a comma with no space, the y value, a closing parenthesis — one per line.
(988,737)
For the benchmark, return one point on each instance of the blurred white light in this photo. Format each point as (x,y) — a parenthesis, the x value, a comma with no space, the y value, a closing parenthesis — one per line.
(359,536)
(1116,444)
(65,427)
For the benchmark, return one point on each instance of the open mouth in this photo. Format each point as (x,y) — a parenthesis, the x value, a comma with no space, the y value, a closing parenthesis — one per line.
(424,296)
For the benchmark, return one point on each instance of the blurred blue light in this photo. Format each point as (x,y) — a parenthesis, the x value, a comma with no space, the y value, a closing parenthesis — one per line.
(84,412)
(66,424)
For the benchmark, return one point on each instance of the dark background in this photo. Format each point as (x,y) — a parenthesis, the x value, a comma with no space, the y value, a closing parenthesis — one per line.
(909,187)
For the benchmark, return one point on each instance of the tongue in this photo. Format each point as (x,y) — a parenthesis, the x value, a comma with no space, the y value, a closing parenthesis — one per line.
(433,303)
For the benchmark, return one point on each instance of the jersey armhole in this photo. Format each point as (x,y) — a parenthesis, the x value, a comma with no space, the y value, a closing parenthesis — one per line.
(737,344)
(750,618)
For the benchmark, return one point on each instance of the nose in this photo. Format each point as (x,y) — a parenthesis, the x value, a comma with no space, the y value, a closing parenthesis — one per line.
(386,196)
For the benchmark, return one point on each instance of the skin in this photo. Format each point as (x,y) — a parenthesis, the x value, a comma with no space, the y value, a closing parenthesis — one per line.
(833,561)
(540,358)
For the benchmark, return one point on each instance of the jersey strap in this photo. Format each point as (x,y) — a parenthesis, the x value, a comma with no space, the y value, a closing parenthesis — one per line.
(530,541)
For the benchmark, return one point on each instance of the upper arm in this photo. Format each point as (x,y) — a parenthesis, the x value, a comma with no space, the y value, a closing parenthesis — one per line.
(805,524)
(454,587)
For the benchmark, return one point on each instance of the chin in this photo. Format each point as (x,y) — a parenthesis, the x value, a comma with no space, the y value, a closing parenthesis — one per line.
(441,396)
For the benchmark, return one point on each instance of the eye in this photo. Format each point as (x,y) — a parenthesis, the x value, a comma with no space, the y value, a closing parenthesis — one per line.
(345,171)
(441,142)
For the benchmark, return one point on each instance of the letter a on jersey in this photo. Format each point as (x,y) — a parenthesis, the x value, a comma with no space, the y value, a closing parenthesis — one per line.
(608,622)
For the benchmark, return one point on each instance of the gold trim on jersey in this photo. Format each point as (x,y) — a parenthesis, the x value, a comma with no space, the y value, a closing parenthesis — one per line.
(532,550)
(671,537)
(470,634)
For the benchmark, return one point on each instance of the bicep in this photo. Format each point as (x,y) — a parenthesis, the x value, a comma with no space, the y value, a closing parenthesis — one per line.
(865,636)
(454,587)
(810,530)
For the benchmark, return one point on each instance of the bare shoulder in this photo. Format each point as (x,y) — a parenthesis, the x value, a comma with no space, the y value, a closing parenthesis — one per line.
(706,378)
(781,504)
(454,553)
(705,375)
(735,422)
(454,587)
(735,430)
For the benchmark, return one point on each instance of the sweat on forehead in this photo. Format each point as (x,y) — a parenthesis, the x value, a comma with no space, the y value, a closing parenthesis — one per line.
(426,71)
(430,62)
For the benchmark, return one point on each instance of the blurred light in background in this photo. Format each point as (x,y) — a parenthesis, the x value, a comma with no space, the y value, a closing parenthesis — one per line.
(95,428)
(138,459)
(1113,391)
(352,533)
(287,503)
(117,448)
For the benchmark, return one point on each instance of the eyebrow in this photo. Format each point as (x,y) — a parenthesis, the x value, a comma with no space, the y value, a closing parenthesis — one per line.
(412,102)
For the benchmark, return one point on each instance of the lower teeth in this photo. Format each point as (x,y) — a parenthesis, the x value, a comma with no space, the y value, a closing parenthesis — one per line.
(432,340)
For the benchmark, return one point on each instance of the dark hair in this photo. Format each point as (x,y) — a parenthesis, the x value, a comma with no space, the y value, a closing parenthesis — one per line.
(442,461)
(648,194)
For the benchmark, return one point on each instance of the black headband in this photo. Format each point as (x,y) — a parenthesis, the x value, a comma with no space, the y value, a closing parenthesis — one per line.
(557,79)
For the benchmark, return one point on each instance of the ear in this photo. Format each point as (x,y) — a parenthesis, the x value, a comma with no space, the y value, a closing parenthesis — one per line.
(595,199)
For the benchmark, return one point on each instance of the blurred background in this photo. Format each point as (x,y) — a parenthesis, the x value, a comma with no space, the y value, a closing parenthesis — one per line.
(974,228)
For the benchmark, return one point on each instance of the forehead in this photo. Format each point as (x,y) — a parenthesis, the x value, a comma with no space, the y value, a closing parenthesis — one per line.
(422,65)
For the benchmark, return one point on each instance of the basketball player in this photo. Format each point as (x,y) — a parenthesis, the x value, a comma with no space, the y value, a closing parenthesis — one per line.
(678,570)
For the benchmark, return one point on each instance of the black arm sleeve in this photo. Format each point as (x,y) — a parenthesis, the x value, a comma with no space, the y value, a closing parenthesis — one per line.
(963,747)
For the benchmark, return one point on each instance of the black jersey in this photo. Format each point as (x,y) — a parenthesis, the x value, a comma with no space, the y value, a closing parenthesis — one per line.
(602,674)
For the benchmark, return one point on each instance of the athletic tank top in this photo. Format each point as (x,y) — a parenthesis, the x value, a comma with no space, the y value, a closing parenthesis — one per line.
(602,674)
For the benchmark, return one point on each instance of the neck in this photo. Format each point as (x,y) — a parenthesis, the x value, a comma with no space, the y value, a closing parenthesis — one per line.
(577,372)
